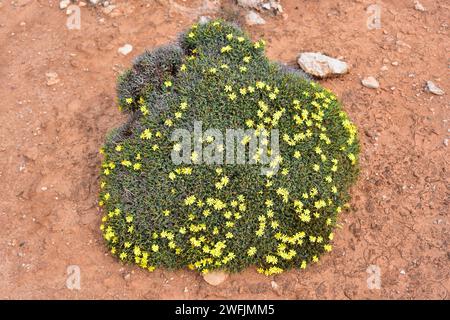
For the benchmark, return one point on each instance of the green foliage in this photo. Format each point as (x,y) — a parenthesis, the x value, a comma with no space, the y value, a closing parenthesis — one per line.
(226,216)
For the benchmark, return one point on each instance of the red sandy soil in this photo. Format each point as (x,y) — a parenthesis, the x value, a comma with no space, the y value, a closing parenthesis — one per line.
(50,136)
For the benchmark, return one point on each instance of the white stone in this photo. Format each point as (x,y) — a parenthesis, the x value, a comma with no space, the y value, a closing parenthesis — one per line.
(250,3)
(266,6)
(64,4)
(370,82)
(431,87)
(108,9)
(204,19)
(320,65)
(252,18)
(126,49)
(418,6)
(215,278)
(52,78)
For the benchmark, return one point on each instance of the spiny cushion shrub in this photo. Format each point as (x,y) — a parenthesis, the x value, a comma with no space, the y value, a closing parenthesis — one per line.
(224,216)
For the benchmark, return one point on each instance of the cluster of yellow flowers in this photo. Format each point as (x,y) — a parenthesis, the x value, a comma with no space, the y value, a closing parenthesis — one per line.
(215,244)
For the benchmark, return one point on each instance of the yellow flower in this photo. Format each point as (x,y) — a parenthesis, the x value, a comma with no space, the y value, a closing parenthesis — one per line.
(352,158)
(226,49)
(183,105)
(189,200)
(155,248)
(251,251)
(168,83)
(119,148)
(126,163)
(146,134)
(129,100)
(194,156)
(183,67)
(271,259)
(123,255)
(144,110)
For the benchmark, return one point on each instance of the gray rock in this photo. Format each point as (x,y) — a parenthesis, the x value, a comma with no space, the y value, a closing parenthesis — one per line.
(320,65)
(252,18)
(215,278)
(370,82)
(126,49)
(64,4)
(431,87)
